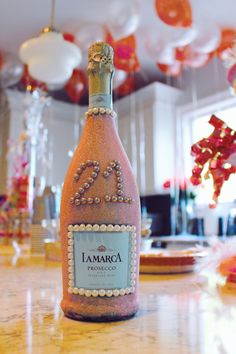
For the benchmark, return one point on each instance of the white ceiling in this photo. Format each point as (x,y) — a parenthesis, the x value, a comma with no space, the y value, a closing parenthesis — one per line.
(22,19)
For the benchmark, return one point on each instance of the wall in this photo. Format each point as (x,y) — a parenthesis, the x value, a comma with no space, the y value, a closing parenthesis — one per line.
(147,129)
(4,133)
(146,125)
(202,82)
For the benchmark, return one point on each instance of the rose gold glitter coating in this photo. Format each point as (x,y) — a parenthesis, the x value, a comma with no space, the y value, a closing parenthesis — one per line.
(99,142)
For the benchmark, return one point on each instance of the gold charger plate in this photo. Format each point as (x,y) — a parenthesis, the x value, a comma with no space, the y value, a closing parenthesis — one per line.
(169,262)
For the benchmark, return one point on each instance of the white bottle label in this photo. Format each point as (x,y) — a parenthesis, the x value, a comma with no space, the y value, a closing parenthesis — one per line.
(102,262)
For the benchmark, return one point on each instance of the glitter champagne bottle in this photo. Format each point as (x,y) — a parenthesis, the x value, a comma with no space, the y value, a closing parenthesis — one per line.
(100,211)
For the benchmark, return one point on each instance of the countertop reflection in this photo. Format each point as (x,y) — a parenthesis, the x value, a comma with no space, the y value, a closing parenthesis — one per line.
(178,314)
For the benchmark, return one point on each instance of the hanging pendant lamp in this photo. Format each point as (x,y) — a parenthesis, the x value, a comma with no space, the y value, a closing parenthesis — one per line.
(49,57)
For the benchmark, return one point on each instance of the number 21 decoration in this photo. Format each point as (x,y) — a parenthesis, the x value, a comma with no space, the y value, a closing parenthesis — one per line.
(114,167)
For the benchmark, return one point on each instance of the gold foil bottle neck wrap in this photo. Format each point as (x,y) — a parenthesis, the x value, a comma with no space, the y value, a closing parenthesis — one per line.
(100,73)
(100,58)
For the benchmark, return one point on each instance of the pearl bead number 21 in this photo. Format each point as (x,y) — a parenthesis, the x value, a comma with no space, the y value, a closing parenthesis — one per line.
(113,167)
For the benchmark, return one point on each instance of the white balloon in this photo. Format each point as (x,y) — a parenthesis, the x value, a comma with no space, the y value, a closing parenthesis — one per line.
(88,33)
(166,56)
(173,36)
(180,37)
(123,18)
(161,43)
(119,78)
(85,35)
(154,46)
(197,60)
(160,52)
(11,70)
(208,38)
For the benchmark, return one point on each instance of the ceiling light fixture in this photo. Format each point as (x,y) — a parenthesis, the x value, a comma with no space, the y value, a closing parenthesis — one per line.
(49,57)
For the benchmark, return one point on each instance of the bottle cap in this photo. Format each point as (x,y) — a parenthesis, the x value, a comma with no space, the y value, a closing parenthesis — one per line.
(100,57)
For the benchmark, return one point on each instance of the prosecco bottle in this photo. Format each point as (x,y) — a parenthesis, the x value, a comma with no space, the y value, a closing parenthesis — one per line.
(100,211)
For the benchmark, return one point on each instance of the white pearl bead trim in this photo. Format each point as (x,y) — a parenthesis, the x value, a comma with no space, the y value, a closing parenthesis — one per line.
(72,289)
(100,111)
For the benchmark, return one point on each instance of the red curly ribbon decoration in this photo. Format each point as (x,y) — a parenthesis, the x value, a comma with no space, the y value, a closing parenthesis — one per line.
(214,151)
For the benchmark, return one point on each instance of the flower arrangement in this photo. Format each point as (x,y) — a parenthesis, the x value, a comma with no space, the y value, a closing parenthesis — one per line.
(220,262)
(182,188)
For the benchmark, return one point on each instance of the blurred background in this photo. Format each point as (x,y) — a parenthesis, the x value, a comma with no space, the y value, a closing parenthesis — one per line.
(172,65)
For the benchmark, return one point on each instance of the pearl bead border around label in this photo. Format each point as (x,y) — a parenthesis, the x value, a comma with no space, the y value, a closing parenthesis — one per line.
(100,111)
(101,228)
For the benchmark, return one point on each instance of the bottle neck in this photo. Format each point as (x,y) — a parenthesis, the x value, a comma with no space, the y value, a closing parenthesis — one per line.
(100,129)
(100,89)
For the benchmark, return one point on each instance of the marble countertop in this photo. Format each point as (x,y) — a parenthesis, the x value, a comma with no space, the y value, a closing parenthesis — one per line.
(178,314)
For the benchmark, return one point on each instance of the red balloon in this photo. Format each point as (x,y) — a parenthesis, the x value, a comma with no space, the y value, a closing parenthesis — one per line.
(125,57)
(228,36)
(180,54)
(69,37)
(76,86)
(177,13)
(31,84)
(171,70)
(127,87)
(108,38)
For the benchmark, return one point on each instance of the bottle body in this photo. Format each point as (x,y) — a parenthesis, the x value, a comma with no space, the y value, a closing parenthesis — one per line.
(100,211)
(99,143)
